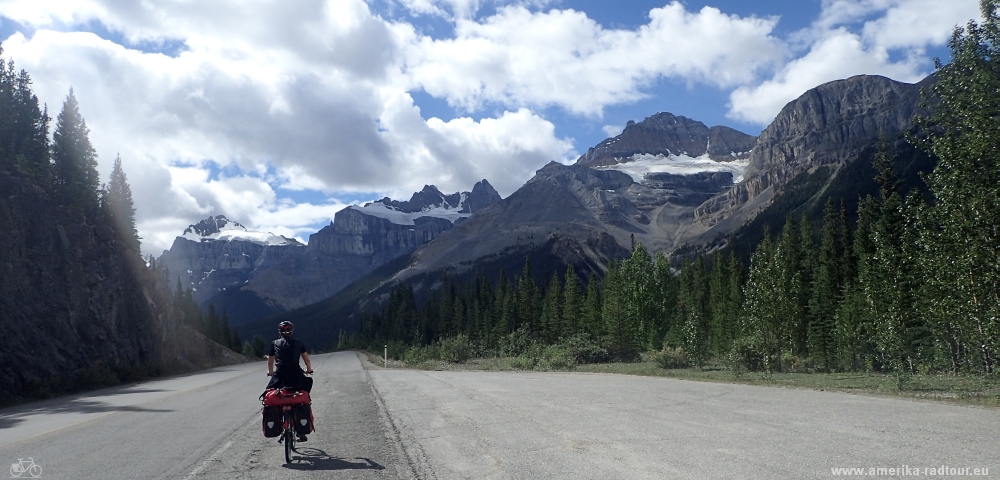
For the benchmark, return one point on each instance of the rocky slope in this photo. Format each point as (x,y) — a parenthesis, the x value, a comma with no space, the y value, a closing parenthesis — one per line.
(668,134)
(644,184)
(828,125)
(76,306)
(254,274)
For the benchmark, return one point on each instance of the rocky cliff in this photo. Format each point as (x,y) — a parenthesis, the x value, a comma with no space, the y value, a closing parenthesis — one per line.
(828,125)
(77,307)
(668,134)
(644,184)
(254,274)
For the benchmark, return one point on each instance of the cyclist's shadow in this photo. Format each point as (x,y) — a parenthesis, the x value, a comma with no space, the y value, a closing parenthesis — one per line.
(317,459)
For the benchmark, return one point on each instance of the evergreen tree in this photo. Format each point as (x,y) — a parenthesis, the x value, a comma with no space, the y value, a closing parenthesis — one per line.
(667,286)
(763,308)
(551,318)
(118,207)
(74,161)
(826,293)
(619,332)
(24,128)
(572,303)
(593,305)
(692,307)
(961,241)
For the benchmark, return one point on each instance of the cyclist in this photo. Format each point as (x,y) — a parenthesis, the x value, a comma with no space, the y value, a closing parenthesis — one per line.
(283,362)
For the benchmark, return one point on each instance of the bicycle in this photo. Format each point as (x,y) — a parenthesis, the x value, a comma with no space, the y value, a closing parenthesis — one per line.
(22,467)
(287,400)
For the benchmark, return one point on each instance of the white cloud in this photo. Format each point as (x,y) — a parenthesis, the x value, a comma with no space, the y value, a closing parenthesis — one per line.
(891,41)
(315,96)
(612,130)
(563,58)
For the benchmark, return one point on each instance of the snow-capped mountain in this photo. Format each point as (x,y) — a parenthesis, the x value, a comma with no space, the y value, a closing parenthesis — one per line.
(430,202)
(254,274)
(220,228)
(668,135)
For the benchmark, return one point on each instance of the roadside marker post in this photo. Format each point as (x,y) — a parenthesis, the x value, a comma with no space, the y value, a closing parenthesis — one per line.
(386,356)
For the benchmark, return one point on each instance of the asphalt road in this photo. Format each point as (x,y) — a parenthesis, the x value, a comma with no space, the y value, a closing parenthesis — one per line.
(374,423)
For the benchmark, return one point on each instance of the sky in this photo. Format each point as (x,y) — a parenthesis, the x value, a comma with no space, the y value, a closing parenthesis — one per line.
(278,114)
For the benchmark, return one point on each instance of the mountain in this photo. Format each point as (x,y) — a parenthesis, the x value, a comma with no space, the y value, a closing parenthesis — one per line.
(665,182)
(831,124)
(667,134)
(255,274)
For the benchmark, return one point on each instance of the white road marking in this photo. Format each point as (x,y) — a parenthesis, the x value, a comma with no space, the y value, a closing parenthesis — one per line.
(208,460)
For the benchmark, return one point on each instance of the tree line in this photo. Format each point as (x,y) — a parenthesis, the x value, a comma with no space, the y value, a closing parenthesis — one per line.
(913,286)
(65,167)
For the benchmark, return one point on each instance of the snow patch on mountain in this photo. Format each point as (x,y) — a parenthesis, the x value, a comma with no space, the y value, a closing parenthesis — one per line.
(394,215)
(639,165)
(221,229)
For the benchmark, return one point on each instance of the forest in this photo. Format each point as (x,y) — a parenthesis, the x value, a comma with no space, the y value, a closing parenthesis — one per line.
(912,286)
(65,168)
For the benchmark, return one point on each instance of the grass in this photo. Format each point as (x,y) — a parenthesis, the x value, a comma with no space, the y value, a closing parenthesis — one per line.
(954,389)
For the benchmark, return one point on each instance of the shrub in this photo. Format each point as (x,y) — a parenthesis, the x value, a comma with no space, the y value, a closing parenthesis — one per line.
(672,358)
(515,343)
(745,357)
(455,349)
(418,355)
(584,350)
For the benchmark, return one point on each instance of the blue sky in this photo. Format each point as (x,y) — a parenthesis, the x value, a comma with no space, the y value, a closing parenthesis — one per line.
(279,114)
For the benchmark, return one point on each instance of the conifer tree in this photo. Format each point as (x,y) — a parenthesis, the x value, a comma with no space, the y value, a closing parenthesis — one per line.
(826,292)
(551,324)
(24,127)
(74,161)
(593,323)
(116,201)
(961,241)
(666,289)
(761,317)
(572,303)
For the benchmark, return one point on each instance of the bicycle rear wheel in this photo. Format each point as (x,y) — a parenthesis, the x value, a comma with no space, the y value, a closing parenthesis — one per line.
(289,438)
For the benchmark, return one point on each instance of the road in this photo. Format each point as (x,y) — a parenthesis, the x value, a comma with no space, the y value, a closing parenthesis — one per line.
(375,423)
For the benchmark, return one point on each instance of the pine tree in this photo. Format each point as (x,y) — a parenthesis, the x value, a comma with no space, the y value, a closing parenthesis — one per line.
(667,286)
(692,308)
(24,128)
(572,303)
(116,201)
(593,324)
(826,292)
(961,241)
(763,305)
(619,332)
(74,161)
(551,324)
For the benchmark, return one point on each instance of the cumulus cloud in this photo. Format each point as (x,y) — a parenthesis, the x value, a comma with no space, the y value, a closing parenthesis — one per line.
(265,98)
(563,58)
(891,41)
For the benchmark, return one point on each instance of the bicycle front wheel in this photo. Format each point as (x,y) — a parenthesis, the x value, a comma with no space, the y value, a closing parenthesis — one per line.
(35,471)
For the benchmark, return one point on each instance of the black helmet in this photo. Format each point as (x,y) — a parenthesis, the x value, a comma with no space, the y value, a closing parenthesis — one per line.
(285,328)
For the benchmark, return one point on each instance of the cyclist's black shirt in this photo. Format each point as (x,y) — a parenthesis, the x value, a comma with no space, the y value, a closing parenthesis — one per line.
(286,352)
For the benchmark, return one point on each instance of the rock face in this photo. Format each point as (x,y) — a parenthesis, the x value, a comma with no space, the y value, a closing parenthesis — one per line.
(668,134)
(75,301)
(253,274)
(829,124)
(663,209)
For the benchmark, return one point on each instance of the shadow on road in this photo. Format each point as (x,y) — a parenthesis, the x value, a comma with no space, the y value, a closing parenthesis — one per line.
(316,459)
(15,415)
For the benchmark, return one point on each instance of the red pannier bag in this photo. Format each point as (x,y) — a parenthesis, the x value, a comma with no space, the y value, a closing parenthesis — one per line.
(280,397)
